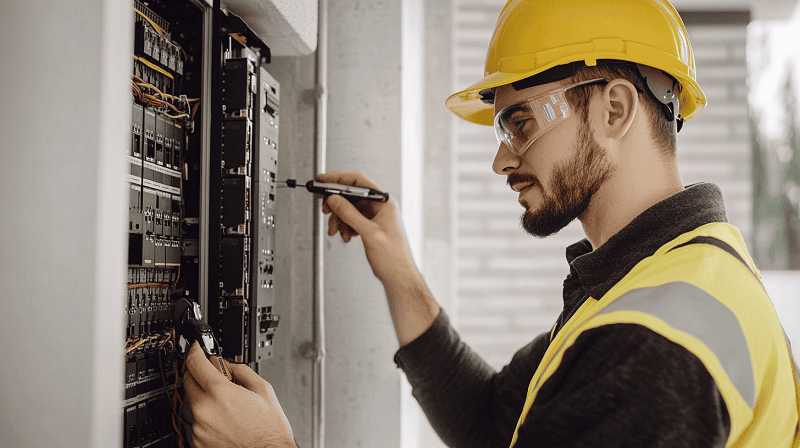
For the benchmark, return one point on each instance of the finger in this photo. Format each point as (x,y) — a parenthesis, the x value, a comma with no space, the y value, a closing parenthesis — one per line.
(333,225)
(343,228)
(349,214)
(196,441)
(202,370)
(347,233)
(200,437)
(248,379)
(348,178)
(193,390)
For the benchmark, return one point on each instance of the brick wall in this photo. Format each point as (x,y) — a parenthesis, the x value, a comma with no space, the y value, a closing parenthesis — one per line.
(715,146)
(509,284)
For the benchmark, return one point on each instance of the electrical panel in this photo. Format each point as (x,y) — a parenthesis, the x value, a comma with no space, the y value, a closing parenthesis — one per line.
(201,171)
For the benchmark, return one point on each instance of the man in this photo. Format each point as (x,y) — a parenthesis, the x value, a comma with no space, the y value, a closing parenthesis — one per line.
(667,337)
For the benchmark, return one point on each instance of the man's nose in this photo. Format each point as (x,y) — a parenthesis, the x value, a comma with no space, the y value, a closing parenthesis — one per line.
(505,160)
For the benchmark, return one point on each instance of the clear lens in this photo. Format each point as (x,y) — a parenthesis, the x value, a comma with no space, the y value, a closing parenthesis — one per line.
(519,125)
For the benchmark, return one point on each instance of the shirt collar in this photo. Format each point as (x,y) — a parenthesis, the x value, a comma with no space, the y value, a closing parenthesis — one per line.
(598,270)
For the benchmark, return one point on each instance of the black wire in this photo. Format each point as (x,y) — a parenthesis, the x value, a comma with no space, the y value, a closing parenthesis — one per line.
(162,351)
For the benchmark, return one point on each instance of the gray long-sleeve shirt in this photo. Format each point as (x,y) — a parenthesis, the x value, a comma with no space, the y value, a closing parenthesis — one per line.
(619,385)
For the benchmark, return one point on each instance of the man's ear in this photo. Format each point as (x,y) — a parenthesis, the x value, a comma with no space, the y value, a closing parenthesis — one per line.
(619,104)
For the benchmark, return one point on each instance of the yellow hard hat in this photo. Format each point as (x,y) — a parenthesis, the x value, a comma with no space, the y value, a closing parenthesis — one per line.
(532,36)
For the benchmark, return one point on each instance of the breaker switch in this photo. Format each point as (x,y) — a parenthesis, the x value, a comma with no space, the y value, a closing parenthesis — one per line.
(269,322)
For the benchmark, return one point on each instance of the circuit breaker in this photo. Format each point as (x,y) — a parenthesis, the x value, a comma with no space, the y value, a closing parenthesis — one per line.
(201,172)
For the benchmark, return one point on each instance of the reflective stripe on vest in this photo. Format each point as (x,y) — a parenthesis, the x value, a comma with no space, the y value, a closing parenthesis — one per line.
(689,309)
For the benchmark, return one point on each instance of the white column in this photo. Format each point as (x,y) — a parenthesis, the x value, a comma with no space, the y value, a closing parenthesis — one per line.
(412,167)
(364,134)
(64,128)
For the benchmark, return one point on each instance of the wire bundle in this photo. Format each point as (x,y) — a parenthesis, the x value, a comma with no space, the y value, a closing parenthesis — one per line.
(169,105)
(151,342)
(147,285)
(177,405)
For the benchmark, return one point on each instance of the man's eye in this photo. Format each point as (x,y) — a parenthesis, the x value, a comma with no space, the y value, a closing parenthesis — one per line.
(519,124)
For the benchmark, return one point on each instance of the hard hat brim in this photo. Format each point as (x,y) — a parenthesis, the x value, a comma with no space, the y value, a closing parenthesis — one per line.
(467,103)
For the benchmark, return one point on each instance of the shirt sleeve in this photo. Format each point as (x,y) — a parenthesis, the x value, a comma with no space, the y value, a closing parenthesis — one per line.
(467,402)
(623,385)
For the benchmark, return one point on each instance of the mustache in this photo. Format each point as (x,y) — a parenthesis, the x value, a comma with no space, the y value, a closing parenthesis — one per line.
(515,178)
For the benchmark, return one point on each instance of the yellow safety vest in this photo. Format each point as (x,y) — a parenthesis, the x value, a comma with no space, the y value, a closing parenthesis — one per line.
(699,292)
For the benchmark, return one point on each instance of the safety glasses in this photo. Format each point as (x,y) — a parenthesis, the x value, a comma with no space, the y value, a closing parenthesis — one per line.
(519,125)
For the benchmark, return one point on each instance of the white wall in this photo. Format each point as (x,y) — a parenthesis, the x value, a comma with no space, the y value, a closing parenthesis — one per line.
(289,27)
(64,72)
(364,134)
(783,288)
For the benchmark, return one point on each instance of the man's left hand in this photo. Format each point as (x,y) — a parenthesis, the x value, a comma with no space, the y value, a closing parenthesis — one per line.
(227,415)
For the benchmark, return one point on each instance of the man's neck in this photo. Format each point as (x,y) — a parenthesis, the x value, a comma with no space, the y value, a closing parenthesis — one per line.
(627,194)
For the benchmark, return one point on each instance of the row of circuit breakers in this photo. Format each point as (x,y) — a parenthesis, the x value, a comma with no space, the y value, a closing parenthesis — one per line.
(187,202)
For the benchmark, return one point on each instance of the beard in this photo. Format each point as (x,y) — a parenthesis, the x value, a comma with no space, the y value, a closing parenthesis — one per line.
(574,182)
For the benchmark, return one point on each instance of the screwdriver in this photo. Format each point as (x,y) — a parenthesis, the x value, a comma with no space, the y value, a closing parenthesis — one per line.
(349,192)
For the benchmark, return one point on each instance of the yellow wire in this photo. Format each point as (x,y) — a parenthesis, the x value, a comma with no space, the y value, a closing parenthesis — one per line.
(154,67)
(146,95)
(156,27)
(150,86)
(141,341)
(176,116)
(154,338)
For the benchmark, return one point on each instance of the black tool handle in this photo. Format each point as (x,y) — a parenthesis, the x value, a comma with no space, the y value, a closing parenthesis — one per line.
(351,193)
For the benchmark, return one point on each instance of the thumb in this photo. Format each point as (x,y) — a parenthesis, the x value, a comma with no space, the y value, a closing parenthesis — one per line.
(201,368)
(349,214)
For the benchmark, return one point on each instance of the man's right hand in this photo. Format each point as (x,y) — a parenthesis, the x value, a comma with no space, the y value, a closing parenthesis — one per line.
(412,307)
(376,222)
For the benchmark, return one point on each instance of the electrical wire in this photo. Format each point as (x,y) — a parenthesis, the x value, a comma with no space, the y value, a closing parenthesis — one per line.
(156,339)
(137,92)
(153,24)
(175,117)
(135,346)
(175,415)
(150,86)
(194,110)
(176,398)
(147,285)
(167,338)
(154,67)
(163,101)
